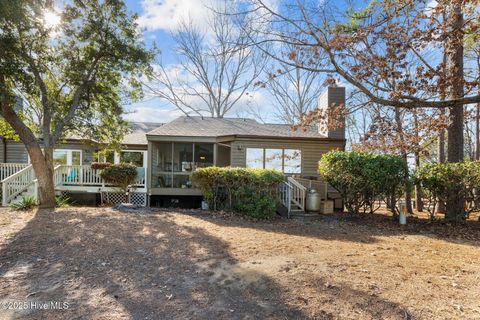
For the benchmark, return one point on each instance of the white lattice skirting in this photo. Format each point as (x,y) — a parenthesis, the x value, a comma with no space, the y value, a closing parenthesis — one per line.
(135,198)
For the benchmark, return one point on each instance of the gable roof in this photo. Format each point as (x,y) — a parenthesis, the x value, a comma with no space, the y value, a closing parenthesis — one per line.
(218,127)
(137,132)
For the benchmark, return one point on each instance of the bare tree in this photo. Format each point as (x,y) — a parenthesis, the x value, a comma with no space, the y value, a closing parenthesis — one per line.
(216,67)
(295,91)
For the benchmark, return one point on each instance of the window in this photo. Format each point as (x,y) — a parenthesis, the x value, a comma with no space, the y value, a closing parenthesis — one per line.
(105,156)
(67,157)
(254,158)
(289,161)
(292,160)
(133,157)
(59,157)
(273,159)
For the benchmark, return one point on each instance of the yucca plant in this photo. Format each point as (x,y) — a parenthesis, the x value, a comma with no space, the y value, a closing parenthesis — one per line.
(27,203)
(62,201)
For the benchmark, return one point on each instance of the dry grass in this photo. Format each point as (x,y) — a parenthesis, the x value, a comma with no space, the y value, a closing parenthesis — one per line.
(109,264)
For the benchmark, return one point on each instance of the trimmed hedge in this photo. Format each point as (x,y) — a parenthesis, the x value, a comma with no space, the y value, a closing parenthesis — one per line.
(120,175)
(252,192)
(443,182)
(361,178)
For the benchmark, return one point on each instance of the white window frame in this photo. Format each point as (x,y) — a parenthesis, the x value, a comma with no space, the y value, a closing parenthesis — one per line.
(69,155)
(283,158)
(116,157)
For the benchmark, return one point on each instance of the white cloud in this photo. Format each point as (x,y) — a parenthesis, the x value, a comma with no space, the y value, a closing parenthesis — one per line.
(152,114)
(169,14)
(430,7)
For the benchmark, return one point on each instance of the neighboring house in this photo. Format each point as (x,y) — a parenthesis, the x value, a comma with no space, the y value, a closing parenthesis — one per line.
(168,154)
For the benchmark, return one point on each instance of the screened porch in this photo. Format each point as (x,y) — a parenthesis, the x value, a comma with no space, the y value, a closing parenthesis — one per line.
(172,164)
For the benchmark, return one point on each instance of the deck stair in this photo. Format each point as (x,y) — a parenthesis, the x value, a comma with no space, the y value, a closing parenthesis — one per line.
(293,193)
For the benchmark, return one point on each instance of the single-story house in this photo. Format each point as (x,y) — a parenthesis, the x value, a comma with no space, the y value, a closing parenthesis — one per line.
(167,154)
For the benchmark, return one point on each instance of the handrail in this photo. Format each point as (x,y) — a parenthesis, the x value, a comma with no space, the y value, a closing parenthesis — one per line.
(285,194)
(16,184)
(299,193)
(320,186)
(9,168)
(16,174)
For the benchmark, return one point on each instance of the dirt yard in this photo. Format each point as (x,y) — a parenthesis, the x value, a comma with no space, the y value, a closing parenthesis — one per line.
(109,264)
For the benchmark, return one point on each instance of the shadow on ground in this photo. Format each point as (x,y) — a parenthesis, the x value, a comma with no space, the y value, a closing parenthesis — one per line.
(147,266)
(364,228)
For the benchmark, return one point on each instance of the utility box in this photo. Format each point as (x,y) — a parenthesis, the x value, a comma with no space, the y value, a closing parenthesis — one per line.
(326,206)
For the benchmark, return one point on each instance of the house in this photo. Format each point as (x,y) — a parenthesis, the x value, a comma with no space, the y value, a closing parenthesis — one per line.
(72,161)
(167,154)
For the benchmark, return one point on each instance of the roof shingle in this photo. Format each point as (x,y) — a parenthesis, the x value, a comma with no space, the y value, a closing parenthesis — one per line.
(217,127)
(137,132)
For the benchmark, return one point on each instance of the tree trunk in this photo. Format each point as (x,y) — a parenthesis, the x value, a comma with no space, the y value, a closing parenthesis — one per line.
(454,51)
(42,165)
(408,196)
(418,187)
(441,144)
(408,192)
(477,132)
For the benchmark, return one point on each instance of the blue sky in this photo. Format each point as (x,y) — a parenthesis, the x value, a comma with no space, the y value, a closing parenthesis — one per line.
(158,19)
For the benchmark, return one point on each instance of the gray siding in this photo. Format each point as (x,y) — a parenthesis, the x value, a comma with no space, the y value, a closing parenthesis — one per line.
(223,156)
(16,152)
(312,151)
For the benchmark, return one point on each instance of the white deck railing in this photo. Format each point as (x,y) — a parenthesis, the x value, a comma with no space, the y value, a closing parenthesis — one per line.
(285,194)
(298,193)
(17,183)
(85,175)
(320,186)
(81,177)
(7,169)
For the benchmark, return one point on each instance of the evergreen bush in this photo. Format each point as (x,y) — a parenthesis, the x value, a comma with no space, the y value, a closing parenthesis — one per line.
(362,178)
(252,192)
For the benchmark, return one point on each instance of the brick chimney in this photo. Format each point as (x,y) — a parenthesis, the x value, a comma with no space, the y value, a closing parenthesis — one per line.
(333,96)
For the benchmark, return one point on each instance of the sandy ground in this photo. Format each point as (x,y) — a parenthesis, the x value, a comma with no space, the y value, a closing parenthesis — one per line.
(109,264)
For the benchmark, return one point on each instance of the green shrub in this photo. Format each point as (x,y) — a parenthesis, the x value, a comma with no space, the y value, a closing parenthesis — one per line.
(252,192)
(361,178)
(445,182)
(120,175)
(259,205)
(100,165)
(62,201)
(27,203)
